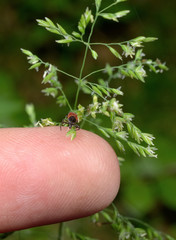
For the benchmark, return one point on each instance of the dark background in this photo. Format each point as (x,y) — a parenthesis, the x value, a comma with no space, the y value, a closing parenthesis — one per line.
(148,188)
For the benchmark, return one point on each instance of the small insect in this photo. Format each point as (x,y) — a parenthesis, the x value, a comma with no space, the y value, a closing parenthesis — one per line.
(71,120)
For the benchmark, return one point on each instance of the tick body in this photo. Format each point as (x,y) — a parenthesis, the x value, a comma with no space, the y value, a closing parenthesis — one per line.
(71,120)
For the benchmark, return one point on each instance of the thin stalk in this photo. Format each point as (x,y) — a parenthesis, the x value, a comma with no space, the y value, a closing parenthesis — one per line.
(104,9)
(84,60)
(110,44)
(59,70)
(66,99)
(60,231)
(96,125)
(65,73)
(101,70)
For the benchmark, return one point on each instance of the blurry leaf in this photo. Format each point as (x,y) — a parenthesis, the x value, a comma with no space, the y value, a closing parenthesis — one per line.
(132,74)
(49,22)
(96,90)
(138,54)
(104,132)
(85,89)
(76,34)
(61,29)
(148,138)
(26,52)
(42,23)
(36,65)
(65,40)
(120,145)
(98,4)
(152,68)
(140,73)
(114,16)
(51,27)
(48,77)
(31,113)
(71,133)
(103,89)
(122,13)
(128,50)
(114,52)
(107,216)
(85,19)
(53,30)
(163,66)
(108,70)
(150,39)
(116,91)
(94,54)
(50,92)
(138,39)
(61,101)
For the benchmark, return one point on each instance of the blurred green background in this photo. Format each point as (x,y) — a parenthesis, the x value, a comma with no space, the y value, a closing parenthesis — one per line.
(148,188)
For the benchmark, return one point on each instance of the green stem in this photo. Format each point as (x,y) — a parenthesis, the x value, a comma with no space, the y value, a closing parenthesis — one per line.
(59,70)
(104,9)
(66,99)
(60,231)
(96,125)
(101,70)
(65,73)
(110,44)
(84,61)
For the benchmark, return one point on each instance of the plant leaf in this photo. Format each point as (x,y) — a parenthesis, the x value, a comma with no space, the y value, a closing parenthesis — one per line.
(27,52)
(71,133)
(94,54)
(50,92)
(76,34)
(85,19)
(96,90)
(61,29)
(48,77)
(98,4)
(104,132)
(36,65)
(64,41)
(114,16)
(150,39)
(114,52)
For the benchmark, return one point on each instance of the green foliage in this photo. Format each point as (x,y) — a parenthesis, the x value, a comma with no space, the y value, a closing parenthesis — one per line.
(77,236)
(105,98)
(127,228)
(104,95)
(31,113)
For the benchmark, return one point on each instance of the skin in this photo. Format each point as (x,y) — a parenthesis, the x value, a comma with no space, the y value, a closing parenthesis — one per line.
(47,178)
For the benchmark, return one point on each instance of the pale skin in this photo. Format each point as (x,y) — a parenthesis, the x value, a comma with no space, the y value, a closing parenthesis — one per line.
(47,178)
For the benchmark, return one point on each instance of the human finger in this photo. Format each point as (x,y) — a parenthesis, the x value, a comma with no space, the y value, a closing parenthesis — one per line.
(47,178)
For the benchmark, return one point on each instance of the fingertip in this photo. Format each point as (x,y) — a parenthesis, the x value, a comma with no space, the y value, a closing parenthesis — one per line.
(47,178)
(102,167)
(94,167)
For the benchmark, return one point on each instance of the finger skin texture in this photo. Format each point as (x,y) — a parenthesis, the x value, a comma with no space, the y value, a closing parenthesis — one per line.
(47,178)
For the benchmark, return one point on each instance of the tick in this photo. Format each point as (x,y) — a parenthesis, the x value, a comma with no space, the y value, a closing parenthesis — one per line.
(71,120)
